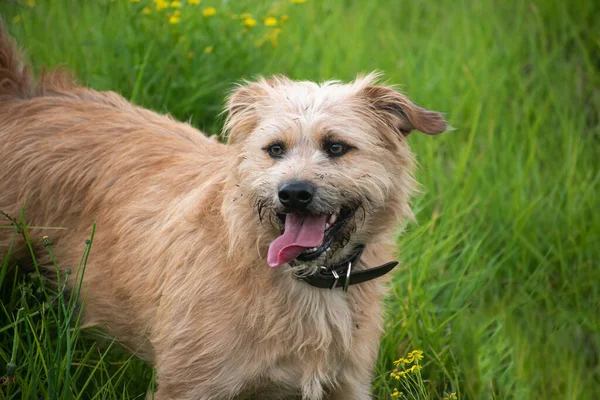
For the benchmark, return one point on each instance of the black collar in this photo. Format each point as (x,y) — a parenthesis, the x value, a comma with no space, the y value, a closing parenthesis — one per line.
(342,274)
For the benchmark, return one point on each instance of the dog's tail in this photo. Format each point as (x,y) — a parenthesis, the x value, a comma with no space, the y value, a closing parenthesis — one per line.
(15,79)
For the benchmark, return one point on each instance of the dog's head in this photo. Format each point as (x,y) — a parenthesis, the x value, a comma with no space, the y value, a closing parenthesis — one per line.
(326,167)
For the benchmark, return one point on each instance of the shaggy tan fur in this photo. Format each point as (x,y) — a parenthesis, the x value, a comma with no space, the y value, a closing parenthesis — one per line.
(178,269)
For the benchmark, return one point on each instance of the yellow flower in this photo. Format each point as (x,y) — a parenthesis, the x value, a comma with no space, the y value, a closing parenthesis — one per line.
(175,4)
(411,357)
(414,368)
(16,19)
(208,49)
(249,22)
(177,13)
(209,12)
(135,1)
(395,393)
(174,19)
(194,2)
(401,360)
(31,3)
(161,4)
(416,354)
(270,21)
(147,11)
(299,1)
(284,18)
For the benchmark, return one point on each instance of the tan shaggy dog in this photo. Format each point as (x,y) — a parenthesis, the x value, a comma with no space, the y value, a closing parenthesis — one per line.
(199,245)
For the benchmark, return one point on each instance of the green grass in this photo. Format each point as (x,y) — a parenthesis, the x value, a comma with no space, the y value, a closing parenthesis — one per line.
(500,284)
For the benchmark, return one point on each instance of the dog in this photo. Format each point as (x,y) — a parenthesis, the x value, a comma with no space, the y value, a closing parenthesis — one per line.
(250,269)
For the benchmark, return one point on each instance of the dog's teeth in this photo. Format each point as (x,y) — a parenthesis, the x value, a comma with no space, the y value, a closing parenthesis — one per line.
(328,250)
(332,219)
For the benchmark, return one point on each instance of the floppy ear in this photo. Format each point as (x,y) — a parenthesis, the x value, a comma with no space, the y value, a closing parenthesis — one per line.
(242,116)
(400,114)
(243,106)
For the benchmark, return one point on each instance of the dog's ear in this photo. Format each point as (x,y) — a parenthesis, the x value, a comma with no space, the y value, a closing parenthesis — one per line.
(400,114)
(242,115)
(243,106)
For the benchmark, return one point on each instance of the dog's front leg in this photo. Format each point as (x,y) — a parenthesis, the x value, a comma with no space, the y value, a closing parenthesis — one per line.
(187,370)
(185,389)
(354,380)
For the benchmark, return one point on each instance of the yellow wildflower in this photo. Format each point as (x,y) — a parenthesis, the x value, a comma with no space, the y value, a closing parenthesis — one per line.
(175,4)
(194,2)
(284,18)
(147,11)
(31,3)
(249,22)
(133,1)
(414,368)
(177,13)
(411,357)
(208,49)
(174,19)
(270,21)
(416,354)
(161,4)
(452,396)
(395,393)
(400,361)
(299,1)
(16,19)
(209,12)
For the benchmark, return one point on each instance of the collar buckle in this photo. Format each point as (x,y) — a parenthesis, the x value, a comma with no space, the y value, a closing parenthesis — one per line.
(347,281)
(337,278)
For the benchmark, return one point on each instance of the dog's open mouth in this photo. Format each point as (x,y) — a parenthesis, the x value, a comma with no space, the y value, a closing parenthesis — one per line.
(306,237)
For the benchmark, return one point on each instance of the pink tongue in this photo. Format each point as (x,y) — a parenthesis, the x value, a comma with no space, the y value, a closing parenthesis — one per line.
(301,232)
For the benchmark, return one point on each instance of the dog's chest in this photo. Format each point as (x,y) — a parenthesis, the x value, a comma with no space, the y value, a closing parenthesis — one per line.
(318,339)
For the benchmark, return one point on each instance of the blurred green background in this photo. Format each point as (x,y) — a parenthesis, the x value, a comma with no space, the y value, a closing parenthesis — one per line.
(500,284)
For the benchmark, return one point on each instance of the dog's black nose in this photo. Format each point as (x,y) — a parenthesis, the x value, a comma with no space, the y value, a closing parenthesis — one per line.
(296,195)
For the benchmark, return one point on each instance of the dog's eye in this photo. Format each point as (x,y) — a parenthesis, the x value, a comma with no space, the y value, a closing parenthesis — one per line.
(337,149)
(275,150)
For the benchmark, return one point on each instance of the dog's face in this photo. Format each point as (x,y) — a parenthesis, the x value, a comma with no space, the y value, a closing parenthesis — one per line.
(326,167)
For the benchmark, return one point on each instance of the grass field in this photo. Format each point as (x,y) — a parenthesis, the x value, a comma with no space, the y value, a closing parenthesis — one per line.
(500,284)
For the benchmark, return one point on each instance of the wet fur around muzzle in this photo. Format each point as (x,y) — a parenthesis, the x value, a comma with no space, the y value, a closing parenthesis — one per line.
(177,271)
